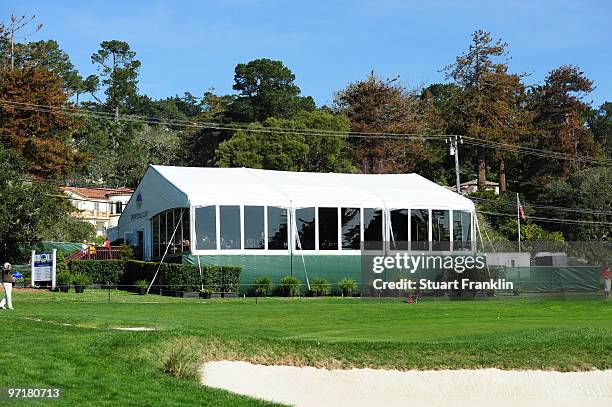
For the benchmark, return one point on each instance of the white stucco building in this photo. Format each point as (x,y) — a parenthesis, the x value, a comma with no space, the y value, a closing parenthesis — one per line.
(99,206)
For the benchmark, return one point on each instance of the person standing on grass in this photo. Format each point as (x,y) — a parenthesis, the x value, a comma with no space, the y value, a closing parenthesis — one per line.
(607,278)
(7,283)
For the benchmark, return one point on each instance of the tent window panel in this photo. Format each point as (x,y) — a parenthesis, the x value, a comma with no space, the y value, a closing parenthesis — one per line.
(254,227)
(206,228)
(305,222)
(169,229)
(162,233)
(277,228)
(155,235)
(462,230)
(328,228)
(351,228)
(399,229)
(177,242)
(186,230)
(440,222)
(372,228)
(230,227)
(419,229)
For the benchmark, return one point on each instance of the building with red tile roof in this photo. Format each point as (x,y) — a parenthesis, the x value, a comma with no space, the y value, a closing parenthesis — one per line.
(99,206)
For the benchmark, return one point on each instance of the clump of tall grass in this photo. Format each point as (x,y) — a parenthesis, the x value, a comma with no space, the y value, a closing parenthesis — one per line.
(180,358)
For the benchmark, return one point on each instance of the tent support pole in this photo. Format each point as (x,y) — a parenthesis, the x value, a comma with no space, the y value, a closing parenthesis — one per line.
(290,243)
(297,237)
(481,241)
(180,222)
(200,270)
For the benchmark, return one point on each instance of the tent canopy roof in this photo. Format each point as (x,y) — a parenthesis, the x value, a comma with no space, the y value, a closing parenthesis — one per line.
(226,186)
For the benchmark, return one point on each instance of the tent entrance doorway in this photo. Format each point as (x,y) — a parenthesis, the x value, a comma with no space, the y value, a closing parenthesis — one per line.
(140,237)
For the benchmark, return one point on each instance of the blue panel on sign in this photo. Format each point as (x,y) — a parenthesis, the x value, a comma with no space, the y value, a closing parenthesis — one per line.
(43,263)
(17,274)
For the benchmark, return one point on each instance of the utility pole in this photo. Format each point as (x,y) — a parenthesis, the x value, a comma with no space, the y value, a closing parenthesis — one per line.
(518,220)
(454,142)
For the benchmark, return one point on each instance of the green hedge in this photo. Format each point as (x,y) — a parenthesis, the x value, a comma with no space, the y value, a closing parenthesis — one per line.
(184,277)
(173,276)
(107,272)
(134,270)
(221,278)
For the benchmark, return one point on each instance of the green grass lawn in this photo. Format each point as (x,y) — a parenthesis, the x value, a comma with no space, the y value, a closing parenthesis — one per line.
(69,340)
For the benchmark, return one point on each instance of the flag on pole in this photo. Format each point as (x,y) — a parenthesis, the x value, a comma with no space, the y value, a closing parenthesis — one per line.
(521,209)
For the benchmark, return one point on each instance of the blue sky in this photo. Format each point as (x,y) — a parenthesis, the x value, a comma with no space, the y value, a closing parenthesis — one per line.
(195,45)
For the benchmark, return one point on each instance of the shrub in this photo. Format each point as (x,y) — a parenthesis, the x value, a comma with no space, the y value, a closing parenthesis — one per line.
(80,279)
(347,285)
(221,278)
(141,284)
(230,280)
(263,285)
(290,286)
(60,260)
(105,272)
(126,252)
(320,286)
(64,278)
(134,270)
(181,277)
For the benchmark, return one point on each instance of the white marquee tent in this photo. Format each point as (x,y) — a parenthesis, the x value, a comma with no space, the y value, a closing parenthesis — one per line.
(166,187)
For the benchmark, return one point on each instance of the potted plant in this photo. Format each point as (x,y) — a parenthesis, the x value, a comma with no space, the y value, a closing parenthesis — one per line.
(206,293)
(290,286)
(63,280)
(320,286)
(262,286)
(142,286)
(347,285)
(80,281)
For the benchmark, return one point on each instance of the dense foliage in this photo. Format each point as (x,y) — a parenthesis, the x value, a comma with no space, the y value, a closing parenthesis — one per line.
(30,210)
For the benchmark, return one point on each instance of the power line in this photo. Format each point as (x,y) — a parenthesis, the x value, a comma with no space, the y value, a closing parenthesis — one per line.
(312,132)
(589,211)
(535,152)
(551,220)
(216,125)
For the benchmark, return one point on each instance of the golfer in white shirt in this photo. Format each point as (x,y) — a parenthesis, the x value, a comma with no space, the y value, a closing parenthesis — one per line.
(7,283)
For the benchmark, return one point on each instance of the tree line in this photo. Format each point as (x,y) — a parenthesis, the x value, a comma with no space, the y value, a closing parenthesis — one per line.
(99,129)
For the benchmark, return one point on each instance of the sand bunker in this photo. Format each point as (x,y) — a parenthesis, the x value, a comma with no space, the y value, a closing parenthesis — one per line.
(308,386)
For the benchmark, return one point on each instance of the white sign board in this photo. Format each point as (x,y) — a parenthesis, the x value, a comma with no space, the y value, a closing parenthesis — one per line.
(43,267)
